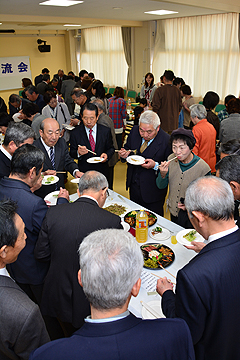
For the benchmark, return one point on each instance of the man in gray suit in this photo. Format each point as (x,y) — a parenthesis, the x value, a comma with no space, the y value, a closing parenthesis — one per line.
(22,328)
(67,88)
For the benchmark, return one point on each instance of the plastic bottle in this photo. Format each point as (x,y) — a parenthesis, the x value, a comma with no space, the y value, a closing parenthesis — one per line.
(141,226)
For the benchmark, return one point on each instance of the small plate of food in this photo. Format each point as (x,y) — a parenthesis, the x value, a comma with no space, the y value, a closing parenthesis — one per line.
(95,159)
(157,256)
(159,233)
(130,218)
(135,160)
(186,236)
(117,208)
(49,179)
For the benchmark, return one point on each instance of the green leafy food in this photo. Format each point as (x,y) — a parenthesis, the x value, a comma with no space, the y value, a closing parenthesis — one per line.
(190,236)
(50,179)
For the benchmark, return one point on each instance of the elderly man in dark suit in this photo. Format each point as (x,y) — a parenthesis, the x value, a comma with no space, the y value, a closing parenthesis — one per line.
(208,288)
(25,177)
(91,136)
(110,268)
(22,328)
(62,232)
(16,135)
(56,153)
(16,103)
(151,142)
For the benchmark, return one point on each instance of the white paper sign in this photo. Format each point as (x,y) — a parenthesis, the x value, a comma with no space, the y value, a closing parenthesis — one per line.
(12,70)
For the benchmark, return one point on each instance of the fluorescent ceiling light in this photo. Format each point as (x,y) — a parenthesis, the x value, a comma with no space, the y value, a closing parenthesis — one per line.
(160,12)
(61,2)
(71,25)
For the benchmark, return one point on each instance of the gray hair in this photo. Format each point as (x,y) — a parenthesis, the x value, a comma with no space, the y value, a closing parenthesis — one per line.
(151,118)
(18,133)
(229,168)
(199,111)
(111,262)
(211,196)
(99,103)
(92,180)
(78,92)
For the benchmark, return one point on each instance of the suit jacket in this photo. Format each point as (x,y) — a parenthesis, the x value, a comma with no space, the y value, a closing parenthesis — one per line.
(13,110)
(42,87)
(158,150)
(32,209)
(59,85)
(208,297)
(38,79)
(105,120)
(22,328)
(62,232)
(128,338)
(63,161)
(4,165)
(40,102)
(104,144)
(67,87)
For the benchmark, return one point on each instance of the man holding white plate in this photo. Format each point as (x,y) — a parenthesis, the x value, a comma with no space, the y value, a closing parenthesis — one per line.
(152,143)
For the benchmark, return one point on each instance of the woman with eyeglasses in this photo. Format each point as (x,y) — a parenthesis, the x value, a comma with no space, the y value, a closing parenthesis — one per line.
(180,169)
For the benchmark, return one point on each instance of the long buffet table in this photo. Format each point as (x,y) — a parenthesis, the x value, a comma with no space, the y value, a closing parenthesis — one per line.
(182,255)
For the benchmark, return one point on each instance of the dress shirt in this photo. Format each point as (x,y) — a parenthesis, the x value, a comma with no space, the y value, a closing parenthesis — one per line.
(149,142)
(4,272)
(105,320)
(222,234)
(5,152)
(94,132)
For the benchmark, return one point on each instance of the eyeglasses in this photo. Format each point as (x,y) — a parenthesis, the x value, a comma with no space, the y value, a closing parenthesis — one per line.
(107,192)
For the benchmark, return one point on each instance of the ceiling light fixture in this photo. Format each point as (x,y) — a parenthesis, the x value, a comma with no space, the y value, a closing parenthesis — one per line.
(60,2)
(160,12)
(71,25)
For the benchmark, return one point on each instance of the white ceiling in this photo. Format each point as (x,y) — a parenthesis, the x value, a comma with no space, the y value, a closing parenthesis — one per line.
(29,15)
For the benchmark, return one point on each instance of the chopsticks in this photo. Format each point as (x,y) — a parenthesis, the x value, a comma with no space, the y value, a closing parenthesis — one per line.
(166,271)
(90,151)
(61,172)
(172,159)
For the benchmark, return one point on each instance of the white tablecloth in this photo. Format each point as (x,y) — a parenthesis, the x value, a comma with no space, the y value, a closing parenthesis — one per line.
(182,255)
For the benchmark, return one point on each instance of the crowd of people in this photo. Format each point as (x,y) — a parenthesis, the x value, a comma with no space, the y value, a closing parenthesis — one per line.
(68,272)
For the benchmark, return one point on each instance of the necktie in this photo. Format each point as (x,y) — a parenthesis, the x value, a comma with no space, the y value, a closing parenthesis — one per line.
(144,146)
(91,140)
(52,157)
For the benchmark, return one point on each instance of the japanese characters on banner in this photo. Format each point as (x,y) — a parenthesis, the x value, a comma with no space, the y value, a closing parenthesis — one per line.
(12,70)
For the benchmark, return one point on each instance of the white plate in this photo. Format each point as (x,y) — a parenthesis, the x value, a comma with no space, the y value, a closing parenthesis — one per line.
(127,207)
(45,179)
(68,127)
(184,241)
(164,235)
(95,160)
(156,305)
(73,197)
(75,180)
(51,198)
(136,160)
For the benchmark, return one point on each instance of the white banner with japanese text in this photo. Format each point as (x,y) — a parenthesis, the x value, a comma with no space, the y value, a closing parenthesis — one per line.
(13,69)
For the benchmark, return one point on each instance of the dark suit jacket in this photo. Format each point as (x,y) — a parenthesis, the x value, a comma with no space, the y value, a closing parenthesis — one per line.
(208,298)
(42,87)
(62,232)
(22,328)
(59,85)
(13,110)
(128,338)
(158,150)
(38,79)
(63,161)
(40,102)
(32,209)
(4,165)
(104,144)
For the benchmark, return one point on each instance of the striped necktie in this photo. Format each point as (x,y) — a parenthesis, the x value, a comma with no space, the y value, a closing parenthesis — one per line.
(91,140)
(144,146)
(52,158)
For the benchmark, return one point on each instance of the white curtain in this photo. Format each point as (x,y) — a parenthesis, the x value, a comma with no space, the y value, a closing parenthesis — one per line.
(102,53)
(203,50)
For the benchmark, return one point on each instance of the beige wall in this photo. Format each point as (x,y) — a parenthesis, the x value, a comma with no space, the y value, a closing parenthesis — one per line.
(26,45)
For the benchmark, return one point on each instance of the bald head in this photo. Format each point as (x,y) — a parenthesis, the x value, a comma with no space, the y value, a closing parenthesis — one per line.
(49,131)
